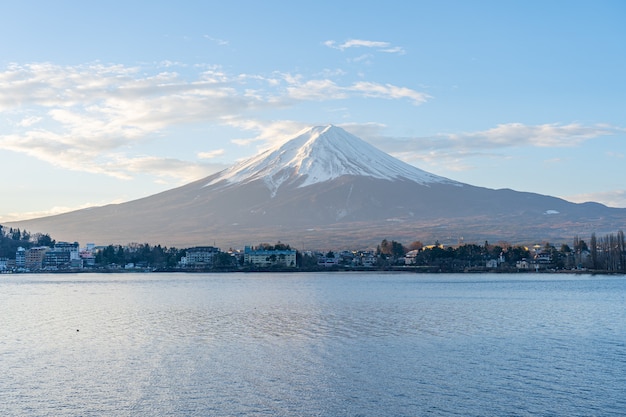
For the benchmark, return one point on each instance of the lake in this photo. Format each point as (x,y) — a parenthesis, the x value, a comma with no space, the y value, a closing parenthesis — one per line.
(312,344)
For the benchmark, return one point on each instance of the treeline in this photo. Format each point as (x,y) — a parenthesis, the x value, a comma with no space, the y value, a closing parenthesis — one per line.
(268,246)
(451,258)
(608,253)
(11,239)
(140,255)
(604,253)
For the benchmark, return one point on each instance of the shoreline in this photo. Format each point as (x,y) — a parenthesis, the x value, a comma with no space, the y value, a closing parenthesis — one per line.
(407,270)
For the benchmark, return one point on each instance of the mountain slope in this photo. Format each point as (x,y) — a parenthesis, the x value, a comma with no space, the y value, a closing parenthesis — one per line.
(321,154)
(326,188)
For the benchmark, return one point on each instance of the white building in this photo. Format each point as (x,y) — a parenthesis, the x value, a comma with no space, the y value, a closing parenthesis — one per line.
(266,258)
(200,257)
(20,258)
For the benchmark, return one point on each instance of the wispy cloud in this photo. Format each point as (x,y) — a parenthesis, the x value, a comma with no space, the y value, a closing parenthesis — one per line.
(161,167)
(327,89)
(218,41)
(615,198)
(389,91)
(265,133)
(546,135)
(29,121)
(361,43)
(459,151)
(455,149)
(211,154)
(10,217)
(86,117)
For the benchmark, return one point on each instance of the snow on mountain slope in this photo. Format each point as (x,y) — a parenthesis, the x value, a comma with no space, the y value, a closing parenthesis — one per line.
(320,154)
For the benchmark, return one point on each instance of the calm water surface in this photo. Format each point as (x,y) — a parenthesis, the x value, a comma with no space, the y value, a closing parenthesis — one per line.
(312,345)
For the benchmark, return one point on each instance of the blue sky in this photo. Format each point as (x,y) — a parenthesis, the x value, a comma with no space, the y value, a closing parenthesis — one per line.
(106,102)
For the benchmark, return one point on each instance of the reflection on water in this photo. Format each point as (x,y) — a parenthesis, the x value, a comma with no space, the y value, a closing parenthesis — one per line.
(312,344)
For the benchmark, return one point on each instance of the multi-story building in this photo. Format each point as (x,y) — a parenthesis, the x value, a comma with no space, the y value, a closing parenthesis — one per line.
(20,258)
(264,258)
(200,257)
(33,259)
(64,255)
(56,259)
(72,248)
(87,257)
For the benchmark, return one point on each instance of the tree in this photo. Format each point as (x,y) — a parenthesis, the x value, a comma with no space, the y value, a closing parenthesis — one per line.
(579,245)
(384,248)
(416,245)
(42,239)
(281,246)
(393,249)
(397,250)
(517,253)
(621,244)
(223,260)
(594,251)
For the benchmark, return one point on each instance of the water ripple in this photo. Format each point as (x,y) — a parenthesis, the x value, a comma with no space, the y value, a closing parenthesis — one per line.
(312,345)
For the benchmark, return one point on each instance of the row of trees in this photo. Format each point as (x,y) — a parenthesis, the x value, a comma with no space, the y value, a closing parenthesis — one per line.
(468,251)
(450,258)
(11,239)
(268,246)
(608,252)
(140,254)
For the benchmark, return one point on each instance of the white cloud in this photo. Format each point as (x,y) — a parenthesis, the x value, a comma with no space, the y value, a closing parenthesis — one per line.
(361,43)
(211,154)
(389,91)
(267,133)
(366,58)
(455,150)
(546,135)
(326,89)
(83,117)
(11,217)
(29,121)
(512,135)
(613,154)
(316,90)
(220,42)
(614,198)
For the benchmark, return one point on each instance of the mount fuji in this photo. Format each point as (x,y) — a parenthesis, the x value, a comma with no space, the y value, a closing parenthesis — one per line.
(326,188)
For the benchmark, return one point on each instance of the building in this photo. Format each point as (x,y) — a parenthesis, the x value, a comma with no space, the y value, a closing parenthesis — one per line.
(411,257)
(63,255)
(88,258)
(491,263)
(328,260)
(33,259)
(20,258)
(72,248)
(265,258)
(200,257)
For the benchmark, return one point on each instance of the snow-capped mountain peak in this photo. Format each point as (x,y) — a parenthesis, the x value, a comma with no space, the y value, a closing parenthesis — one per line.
(320,154)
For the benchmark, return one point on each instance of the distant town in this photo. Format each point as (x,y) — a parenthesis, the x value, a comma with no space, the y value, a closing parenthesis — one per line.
(21,252)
